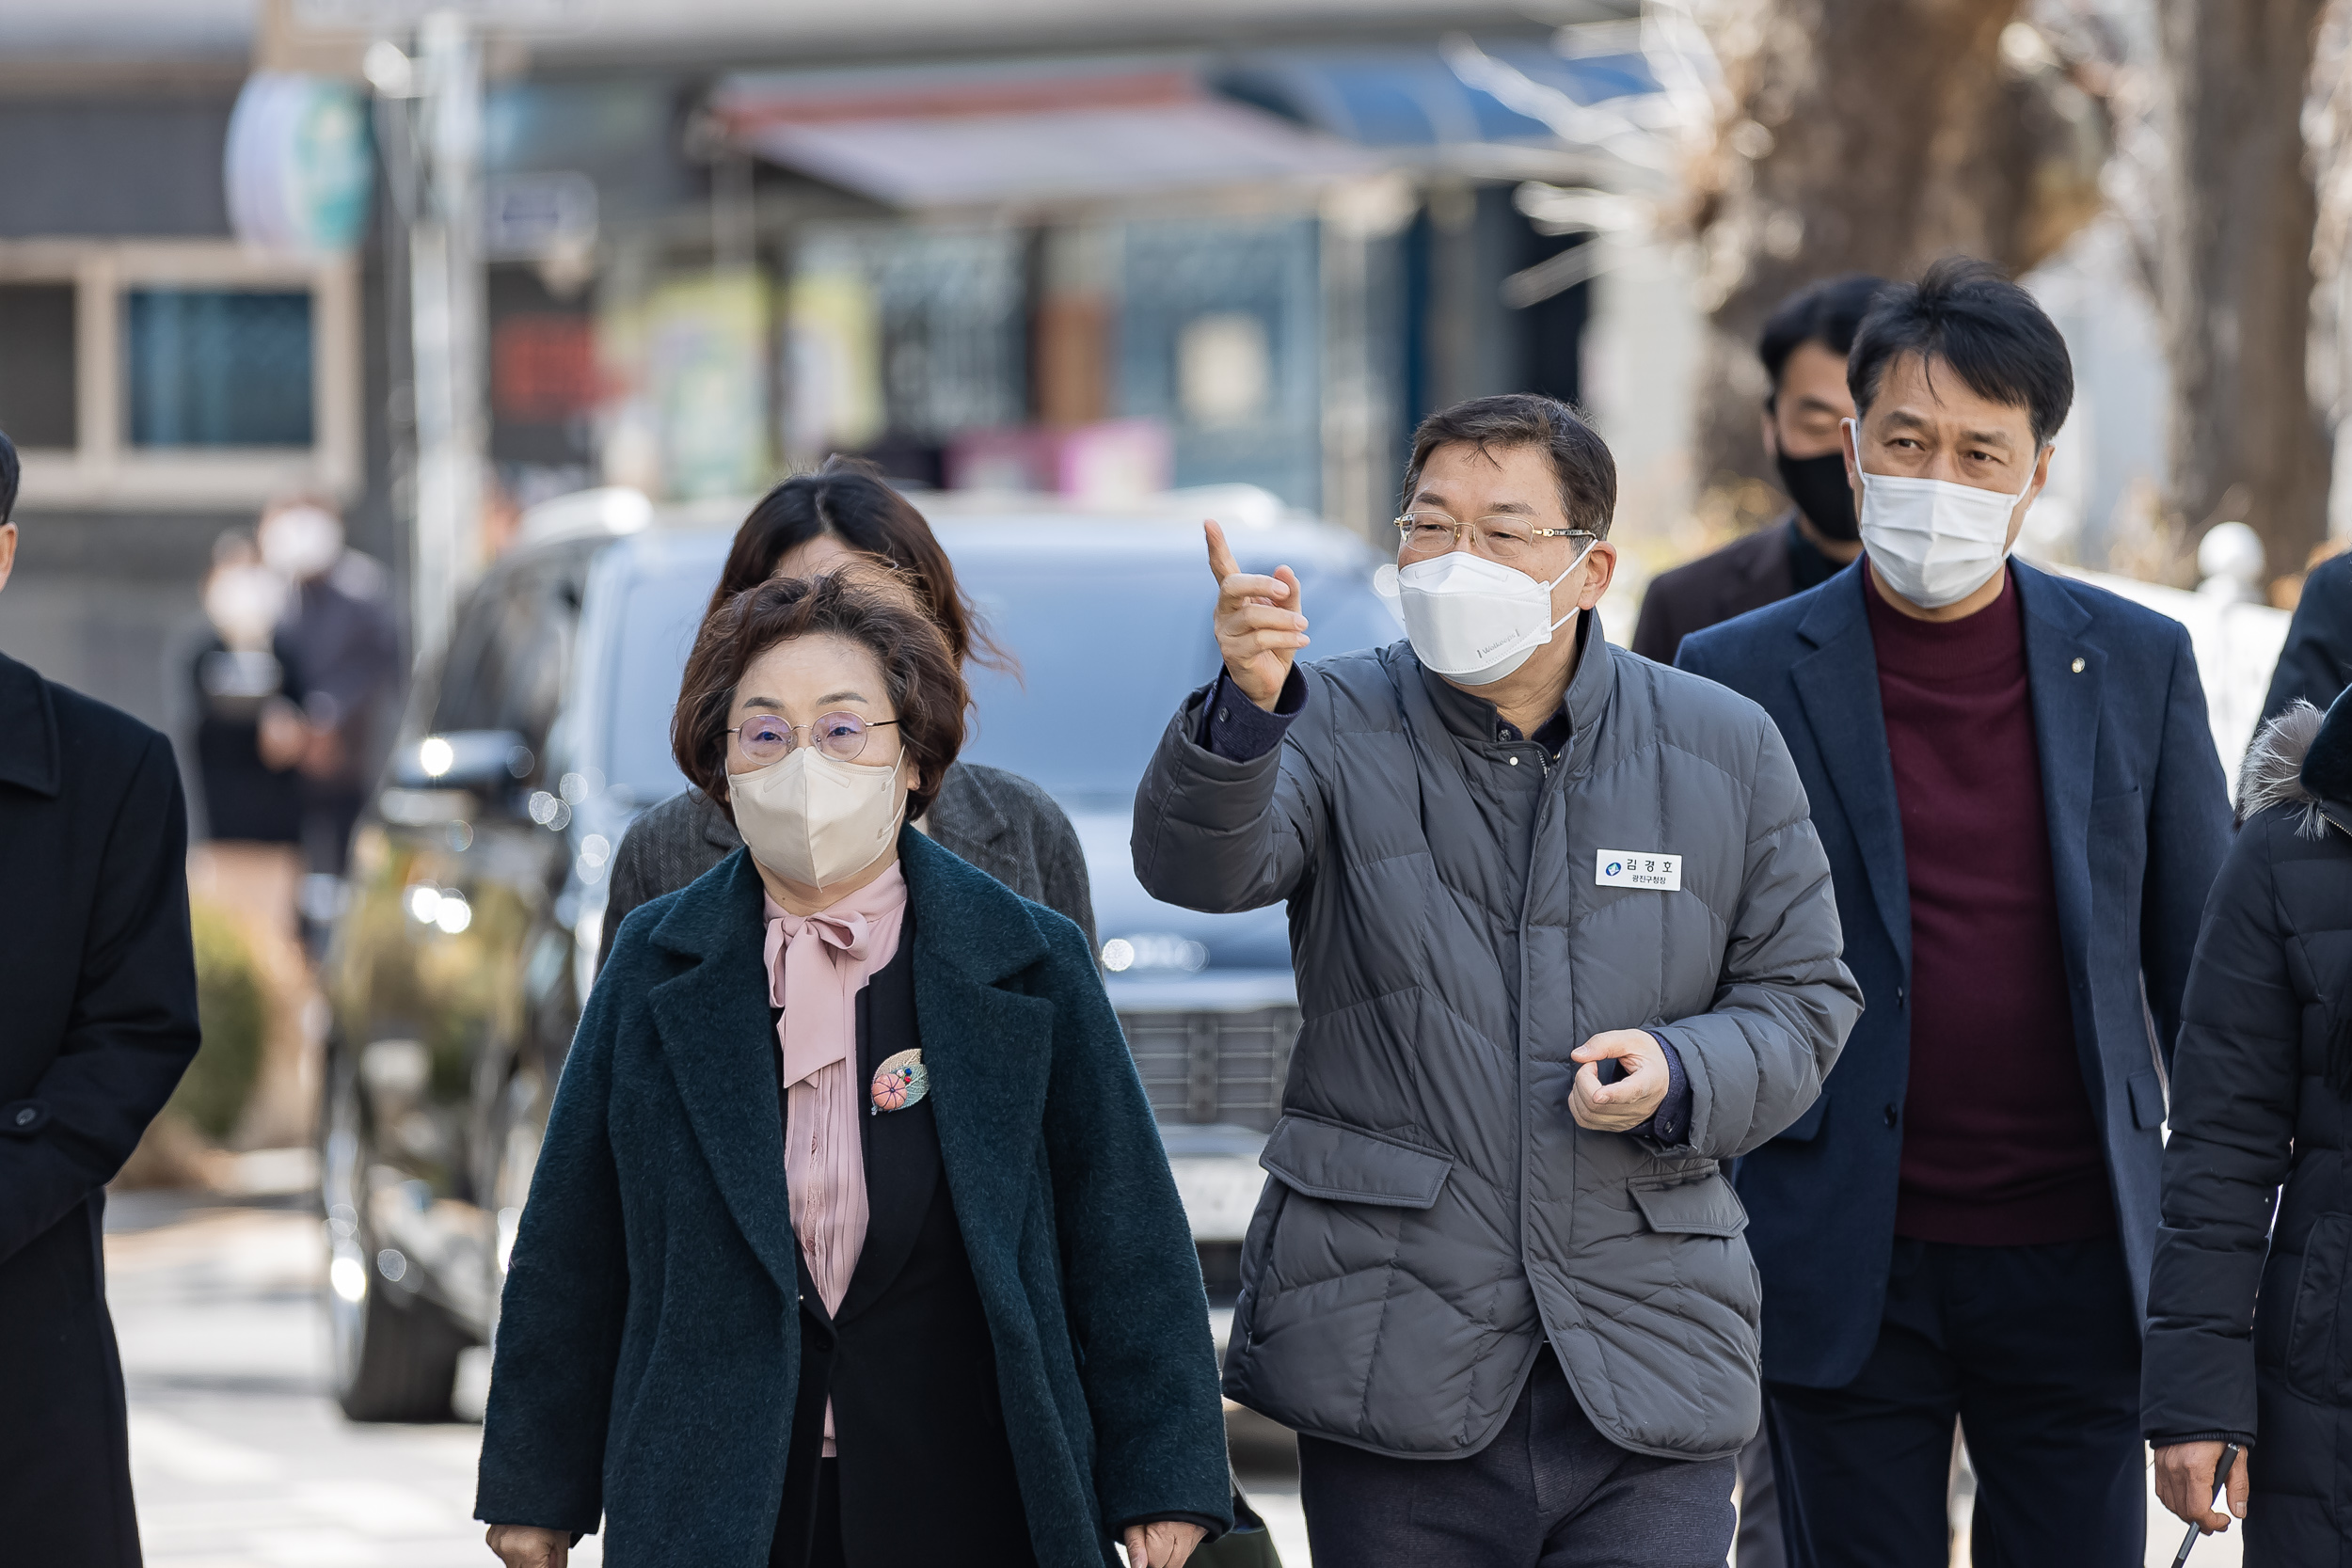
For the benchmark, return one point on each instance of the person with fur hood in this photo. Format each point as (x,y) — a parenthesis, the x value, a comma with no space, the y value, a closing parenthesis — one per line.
(2248,1322)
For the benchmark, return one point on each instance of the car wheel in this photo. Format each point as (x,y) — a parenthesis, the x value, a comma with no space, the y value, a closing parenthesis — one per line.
(395,1357)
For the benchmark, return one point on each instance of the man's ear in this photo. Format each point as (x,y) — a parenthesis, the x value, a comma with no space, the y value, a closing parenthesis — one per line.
(1772,432)
(1600,570)
(8,551)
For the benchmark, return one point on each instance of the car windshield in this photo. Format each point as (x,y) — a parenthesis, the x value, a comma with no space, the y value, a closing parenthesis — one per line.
(1106,645)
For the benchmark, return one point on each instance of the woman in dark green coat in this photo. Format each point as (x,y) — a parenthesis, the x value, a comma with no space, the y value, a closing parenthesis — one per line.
(961,1321)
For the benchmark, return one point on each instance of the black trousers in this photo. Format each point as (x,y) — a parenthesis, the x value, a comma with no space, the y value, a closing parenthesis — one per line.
(2035,1349)
(1549,1492)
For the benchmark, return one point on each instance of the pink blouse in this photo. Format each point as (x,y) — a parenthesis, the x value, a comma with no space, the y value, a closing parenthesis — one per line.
(816,964)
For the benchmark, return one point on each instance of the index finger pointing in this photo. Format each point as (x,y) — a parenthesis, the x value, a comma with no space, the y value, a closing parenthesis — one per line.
(1221,560)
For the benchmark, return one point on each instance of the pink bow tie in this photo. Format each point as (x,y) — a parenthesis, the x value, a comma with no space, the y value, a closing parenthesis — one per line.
(811,965)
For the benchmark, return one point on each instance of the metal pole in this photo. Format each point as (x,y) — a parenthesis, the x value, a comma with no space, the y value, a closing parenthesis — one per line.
(447,323)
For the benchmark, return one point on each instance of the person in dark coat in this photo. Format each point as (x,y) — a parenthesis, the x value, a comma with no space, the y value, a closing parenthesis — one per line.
(2015,780)
(2246,1318)
(99,981)
(2315,665)
(851,1241)
(997,820)
(1803,348)
(339,631)
(249,732)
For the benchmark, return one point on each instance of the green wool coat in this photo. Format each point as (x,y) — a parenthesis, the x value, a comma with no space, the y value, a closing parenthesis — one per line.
(648,1347)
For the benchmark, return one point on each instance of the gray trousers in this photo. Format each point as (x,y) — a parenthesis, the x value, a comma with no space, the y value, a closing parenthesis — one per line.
(1549,1492)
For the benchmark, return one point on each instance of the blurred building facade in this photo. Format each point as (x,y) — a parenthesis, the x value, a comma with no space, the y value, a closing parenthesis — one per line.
(1061,246)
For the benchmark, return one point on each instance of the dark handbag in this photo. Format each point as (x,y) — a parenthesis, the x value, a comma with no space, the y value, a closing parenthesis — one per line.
(1247,1544)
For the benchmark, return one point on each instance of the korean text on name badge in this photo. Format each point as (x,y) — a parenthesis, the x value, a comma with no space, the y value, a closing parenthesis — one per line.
(1639,868)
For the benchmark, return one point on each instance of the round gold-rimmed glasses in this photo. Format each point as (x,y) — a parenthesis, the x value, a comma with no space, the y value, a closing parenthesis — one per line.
(767,739)
(1503,537)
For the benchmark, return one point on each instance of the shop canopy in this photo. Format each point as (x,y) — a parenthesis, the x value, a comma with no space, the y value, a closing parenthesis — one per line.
(1035,135)
(1039,131)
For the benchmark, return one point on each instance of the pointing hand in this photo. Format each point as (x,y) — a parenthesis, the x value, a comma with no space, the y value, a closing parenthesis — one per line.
(1258,628)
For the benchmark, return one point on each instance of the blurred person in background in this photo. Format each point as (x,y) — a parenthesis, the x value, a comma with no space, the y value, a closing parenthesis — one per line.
(250,736)
(996,820)
(339,631)
(2015,781)
(1803,348)
(1565,942)
(99,976)
(2315,665)
(851,1239)
(2246,1336)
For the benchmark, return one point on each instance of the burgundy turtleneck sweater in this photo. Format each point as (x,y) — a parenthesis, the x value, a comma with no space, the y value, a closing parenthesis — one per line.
(2000,1146)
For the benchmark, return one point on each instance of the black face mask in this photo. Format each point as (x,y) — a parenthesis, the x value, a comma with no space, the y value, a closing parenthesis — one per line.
(1818,486)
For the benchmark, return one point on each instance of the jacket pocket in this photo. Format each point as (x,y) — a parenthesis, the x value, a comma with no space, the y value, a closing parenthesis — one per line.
(1340,1163)
(1700,1206)
(2313,1364)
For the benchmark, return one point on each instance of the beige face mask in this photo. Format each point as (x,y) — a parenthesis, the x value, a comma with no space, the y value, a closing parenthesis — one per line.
(816,821)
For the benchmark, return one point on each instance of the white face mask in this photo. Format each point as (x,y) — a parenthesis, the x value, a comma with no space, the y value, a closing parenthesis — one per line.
(816,821)
(244,604)
(1934,542)
(1470,619)
(300,542)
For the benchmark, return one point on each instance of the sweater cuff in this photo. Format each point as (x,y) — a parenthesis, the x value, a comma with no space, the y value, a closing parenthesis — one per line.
(2245,1440)
(1237,729)
(1670,1122)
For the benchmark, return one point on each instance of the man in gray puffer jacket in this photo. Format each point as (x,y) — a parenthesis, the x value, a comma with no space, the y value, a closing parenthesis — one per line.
(1565,939)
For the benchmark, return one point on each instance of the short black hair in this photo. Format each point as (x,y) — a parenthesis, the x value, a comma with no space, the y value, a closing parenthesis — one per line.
(1828,312)
(1990,331)
(1588,474)
(9,469)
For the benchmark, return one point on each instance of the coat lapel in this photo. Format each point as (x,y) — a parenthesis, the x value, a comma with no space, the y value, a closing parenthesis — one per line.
(2066,674)
(988,1049)
(715,1034)
(1837,685)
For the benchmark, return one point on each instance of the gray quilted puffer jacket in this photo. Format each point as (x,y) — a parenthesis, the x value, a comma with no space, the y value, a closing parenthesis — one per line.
(1433,1207)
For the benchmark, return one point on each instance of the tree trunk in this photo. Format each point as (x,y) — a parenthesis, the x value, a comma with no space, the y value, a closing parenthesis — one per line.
(2234,275)
(1871,136)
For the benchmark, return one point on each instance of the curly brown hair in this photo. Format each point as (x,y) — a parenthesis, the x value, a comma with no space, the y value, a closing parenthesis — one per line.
(866,602)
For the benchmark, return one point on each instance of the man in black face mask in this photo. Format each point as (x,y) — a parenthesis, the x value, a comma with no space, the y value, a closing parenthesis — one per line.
(1803,349)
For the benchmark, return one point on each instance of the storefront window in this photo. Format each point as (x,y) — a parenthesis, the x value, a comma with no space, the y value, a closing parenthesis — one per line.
(218,367)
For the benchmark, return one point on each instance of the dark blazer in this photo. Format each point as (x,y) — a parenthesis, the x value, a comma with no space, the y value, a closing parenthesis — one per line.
(1746,574)
(2315,665)
(995,820)
(100,1022)
(2246,1331)
(648,1353)
(2138,823)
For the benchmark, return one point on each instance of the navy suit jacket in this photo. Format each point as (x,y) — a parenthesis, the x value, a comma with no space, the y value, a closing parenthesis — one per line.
(2139,819)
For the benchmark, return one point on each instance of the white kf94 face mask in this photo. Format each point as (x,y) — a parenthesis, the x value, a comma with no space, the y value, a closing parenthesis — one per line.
(1470,619)
(1934,542)
(816,821)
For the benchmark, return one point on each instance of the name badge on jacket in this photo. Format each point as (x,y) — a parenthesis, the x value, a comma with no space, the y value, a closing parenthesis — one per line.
(1639,868)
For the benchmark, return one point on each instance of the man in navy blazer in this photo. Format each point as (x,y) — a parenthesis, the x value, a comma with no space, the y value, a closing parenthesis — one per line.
(2014,779)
